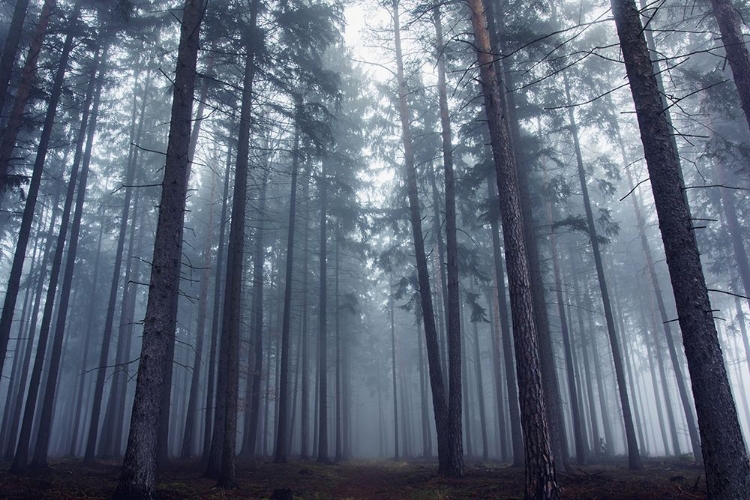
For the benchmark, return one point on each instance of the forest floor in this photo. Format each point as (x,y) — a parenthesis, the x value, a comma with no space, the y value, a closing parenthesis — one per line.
(70,479)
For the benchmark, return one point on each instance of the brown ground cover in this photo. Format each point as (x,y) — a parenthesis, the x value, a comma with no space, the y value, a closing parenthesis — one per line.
(69,479)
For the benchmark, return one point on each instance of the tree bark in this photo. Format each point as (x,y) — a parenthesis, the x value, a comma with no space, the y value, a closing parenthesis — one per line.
(540,467)
(724,454)
(138,477)
(507,342)
(235,248)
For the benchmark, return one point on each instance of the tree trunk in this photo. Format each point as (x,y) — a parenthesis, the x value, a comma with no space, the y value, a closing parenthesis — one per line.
(447,463)
(216,312)
(253,406)
(540,468)
(730,25)
(456,464)
(46,417)
(233,290)
(724,454)
(480,391)
(305,406)
(634,458)
(138,477)
(337,321)
(550,384)
(687,404)
(283,392)
(12,40)
(22,450)
(109,321)
(190,417)
(15,421)
(392,308)
(322,323)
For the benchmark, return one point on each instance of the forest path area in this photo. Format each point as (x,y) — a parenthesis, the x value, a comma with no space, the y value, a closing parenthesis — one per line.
(361,480)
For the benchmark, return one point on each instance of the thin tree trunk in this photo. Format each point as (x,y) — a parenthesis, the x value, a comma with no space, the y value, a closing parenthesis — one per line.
(337,321)
(724,454)
(392,308)
(634,457)
(10,448)
(138,477)
(305,410)
(22,450)
(323,323)
(233,290)
(480,390)
(447,463)
(251,428)
(540,468)
(192,407)
(687,404)
(507,342)
(283,392)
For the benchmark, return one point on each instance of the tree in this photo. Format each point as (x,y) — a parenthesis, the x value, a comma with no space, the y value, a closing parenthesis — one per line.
(138,476)
(540,466)
(725,458)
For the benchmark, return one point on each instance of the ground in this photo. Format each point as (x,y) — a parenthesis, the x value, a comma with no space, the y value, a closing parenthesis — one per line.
(70,479)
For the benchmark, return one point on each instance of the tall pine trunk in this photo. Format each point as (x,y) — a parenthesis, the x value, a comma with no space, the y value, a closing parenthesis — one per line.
(724,454)
(138,476)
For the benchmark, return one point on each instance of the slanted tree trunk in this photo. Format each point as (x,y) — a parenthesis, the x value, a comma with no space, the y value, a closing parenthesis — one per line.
(550,384)
(101,373)
(50,392)
(305,406)
(634,458)
(724,454)
(15,421)
(730,25)
(138,476)
(540,467)
(15,121)
(447,463)
(22,450)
